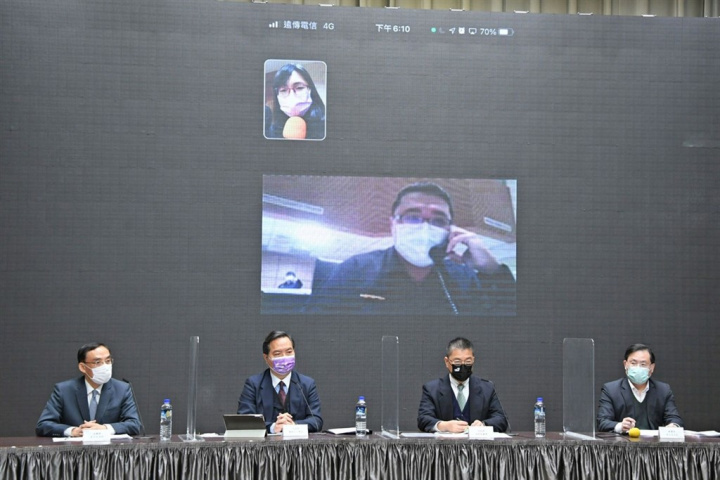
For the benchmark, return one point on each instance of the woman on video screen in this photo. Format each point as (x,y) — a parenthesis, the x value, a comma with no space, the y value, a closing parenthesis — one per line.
(298,112)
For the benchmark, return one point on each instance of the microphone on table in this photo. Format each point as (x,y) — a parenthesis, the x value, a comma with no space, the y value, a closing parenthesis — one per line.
(137,407)
(297,384)
(295,128)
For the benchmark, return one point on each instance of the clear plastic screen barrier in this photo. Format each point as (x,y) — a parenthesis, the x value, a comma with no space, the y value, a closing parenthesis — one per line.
(192,392)
(579,387)
(390,425)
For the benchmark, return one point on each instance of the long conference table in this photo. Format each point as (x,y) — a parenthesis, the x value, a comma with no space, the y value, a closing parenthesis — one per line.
(326,456)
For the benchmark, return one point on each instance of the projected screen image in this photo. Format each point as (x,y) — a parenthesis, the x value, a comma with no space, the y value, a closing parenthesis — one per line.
(388,246)
(295,102)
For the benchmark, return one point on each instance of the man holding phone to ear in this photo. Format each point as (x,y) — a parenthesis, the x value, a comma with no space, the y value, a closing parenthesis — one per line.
(434,266)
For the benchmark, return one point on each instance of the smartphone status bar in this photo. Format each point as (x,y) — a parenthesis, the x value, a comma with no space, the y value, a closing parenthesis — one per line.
(483,31)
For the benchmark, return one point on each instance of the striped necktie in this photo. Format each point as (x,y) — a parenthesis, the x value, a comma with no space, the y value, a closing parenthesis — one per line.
(281,393)
(461,397)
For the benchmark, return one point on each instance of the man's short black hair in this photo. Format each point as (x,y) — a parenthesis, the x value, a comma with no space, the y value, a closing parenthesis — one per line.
(88,347)
(459,343)
(274,335)
(291,273)
(637,347)
(424,187)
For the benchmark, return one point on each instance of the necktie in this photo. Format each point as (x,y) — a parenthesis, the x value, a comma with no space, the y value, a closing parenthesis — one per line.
(461,397)
(93,404)
(281,393)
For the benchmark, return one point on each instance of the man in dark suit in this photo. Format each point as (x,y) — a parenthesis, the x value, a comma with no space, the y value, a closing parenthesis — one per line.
(637,400)
(283,396)
(93,401)
(453,402)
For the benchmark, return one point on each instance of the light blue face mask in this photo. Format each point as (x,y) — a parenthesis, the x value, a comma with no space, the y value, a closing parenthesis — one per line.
(638,375)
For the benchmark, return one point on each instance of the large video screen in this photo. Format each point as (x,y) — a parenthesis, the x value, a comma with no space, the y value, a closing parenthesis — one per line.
(223,169)
(389,246)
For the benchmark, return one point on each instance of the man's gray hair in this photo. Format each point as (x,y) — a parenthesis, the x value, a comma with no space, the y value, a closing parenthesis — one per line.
(459,343)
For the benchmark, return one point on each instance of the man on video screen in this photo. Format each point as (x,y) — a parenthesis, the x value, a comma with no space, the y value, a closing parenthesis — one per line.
(434,267)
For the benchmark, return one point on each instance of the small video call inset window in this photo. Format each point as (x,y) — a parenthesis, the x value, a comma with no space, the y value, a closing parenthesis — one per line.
(295,99)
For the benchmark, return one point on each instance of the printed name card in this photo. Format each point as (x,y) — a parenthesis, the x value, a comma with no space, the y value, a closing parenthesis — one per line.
(671,434)
(481,433)
(295,431)
(96,436)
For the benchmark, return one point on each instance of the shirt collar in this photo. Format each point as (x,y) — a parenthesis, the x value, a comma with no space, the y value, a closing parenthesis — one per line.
(638,392)
(276,380)
(455,383)
(89,388)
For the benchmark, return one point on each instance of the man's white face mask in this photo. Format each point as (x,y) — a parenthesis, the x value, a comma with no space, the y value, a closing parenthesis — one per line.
(413,242)
(102,374)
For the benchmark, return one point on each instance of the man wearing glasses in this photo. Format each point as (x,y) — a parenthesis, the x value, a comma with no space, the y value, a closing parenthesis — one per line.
(637,400)
(458,400)
(93,401)
(433,268)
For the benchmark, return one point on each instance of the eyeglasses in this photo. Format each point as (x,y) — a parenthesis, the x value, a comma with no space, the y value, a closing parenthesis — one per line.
(297,89)
(99,363)
(417,219)
(467,363)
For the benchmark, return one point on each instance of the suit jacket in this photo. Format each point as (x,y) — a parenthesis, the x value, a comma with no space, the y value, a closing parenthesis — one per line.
(617,402)
(303,402)
(68,407)
(436,404)
(353,287)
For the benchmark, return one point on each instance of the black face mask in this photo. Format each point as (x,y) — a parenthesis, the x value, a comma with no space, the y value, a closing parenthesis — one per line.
(461,372)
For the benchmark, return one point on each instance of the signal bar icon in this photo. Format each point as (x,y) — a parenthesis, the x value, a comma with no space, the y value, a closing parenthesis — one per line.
(274,24)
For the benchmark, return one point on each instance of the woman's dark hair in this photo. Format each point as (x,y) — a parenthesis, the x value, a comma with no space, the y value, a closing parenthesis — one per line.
(317,109)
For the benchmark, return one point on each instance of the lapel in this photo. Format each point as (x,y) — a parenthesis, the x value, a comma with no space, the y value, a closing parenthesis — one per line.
(651,398)
(294,403)
(629,398)
(107,392)
(445,399)
(474,398)
(267,397)
(82,399)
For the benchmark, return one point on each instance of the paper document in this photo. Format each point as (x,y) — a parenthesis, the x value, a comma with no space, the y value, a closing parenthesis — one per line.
(121,436)
(705,433)
(342,431)
(417,435)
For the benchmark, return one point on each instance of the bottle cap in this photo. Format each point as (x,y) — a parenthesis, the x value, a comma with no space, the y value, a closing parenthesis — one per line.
(539,399)
(361,398)
(167,400)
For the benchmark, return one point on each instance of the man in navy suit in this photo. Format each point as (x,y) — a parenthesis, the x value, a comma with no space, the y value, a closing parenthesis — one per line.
(637,400)
(283,396)
(93,401)
(455,401)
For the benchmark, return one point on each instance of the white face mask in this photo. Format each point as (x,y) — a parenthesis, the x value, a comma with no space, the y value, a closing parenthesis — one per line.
(413,242)
(102,374)
(294,106)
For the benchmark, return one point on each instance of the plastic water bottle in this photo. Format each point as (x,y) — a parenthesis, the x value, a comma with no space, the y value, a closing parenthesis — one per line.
(361,417)
(166,420)
(539,418)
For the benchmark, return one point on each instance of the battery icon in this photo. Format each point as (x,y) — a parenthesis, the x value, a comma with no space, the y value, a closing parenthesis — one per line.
(508,32)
